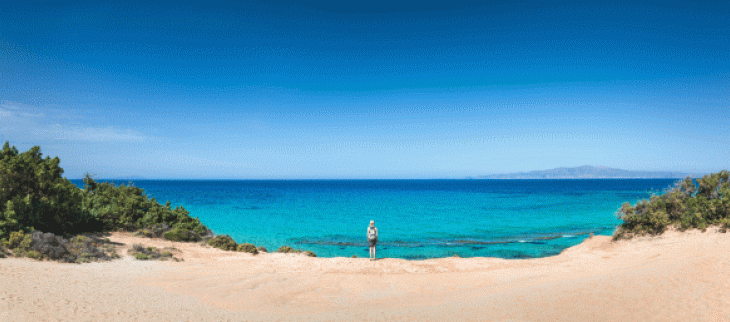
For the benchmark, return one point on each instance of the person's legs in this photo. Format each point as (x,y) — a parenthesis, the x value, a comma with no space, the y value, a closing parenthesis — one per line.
(371,252)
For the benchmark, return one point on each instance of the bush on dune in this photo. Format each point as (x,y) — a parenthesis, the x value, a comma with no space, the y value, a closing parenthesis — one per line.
(141,252)
(223,242)
(79,249)
(181,235)
(128,208)
(688,204)
(247,248)
(35,197)
(287,250)
(154,231)
(226,242)
(18,240)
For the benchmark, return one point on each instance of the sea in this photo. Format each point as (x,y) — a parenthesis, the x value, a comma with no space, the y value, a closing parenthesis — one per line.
(416,219)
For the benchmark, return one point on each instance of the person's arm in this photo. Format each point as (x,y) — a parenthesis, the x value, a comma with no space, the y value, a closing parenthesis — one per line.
(376,233)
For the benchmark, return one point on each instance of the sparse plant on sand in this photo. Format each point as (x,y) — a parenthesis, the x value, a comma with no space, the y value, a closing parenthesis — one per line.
(287,250)
(247,248)
(223,242)
(141,252)
(689,204)
(79,249)
(181,235)
(154,231)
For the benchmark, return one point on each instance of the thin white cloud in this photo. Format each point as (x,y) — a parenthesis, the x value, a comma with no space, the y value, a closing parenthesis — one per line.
(23,122)
(95,134)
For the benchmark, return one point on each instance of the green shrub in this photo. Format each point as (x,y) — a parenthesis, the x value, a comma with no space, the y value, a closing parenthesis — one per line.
(141,252)
(262,249)
(286,250)
(33,254)
(39,245)
(79,249)
(128,208)
(143,233)
(154,231)
(223,242)
(248,248)
(181,235)
(19,240)
(34,195)
(688,204)
(354,256)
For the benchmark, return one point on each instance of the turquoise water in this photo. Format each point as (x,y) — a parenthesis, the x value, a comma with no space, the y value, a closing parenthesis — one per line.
(416,218)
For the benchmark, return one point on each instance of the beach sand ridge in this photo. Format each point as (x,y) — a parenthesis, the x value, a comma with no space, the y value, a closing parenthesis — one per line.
(678,276)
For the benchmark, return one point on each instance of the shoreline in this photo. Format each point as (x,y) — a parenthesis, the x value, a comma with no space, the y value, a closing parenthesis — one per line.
(673,277)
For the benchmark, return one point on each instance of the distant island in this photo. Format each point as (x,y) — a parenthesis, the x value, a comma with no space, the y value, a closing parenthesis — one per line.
(589,172)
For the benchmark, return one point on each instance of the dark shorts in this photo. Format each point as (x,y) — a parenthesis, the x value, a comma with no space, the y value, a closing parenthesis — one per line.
(373,242)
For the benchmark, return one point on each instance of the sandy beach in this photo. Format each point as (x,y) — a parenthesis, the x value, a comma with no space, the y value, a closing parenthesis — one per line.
(674,277)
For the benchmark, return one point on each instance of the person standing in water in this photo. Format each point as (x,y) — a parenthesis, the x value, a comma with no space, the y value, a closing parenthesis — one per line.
(372,238)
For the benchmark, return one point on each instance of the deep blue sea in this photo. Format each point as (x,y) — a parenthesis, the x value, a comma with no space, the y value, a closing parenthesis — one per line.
(416,218)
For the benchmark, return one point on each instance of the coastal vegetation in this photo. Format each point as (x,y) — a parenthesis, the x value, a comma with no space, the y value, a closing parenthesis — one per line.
(247,248)
(181,235)
(688,204)
(140,252)
(45,216)
(79,249)
(128,208)
(288,249)
(35,196)
(226,242)
(223,242)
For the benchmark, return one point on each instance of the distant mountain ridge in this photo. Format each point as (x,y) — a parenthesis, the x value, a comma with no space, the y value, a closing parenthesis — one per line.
(589,172)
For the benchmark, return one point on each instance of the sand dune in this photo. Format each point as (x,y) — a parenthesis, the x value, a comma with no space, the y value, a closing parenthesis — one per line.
(675,277)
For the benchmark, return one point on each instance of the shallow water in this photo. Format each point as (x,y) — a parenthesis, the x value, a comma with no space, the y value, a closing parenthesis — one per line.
(416,218)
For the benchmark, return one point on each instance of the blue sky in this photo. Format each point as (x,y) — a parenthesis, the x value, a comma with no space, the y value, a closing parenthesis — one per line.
(363,89)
